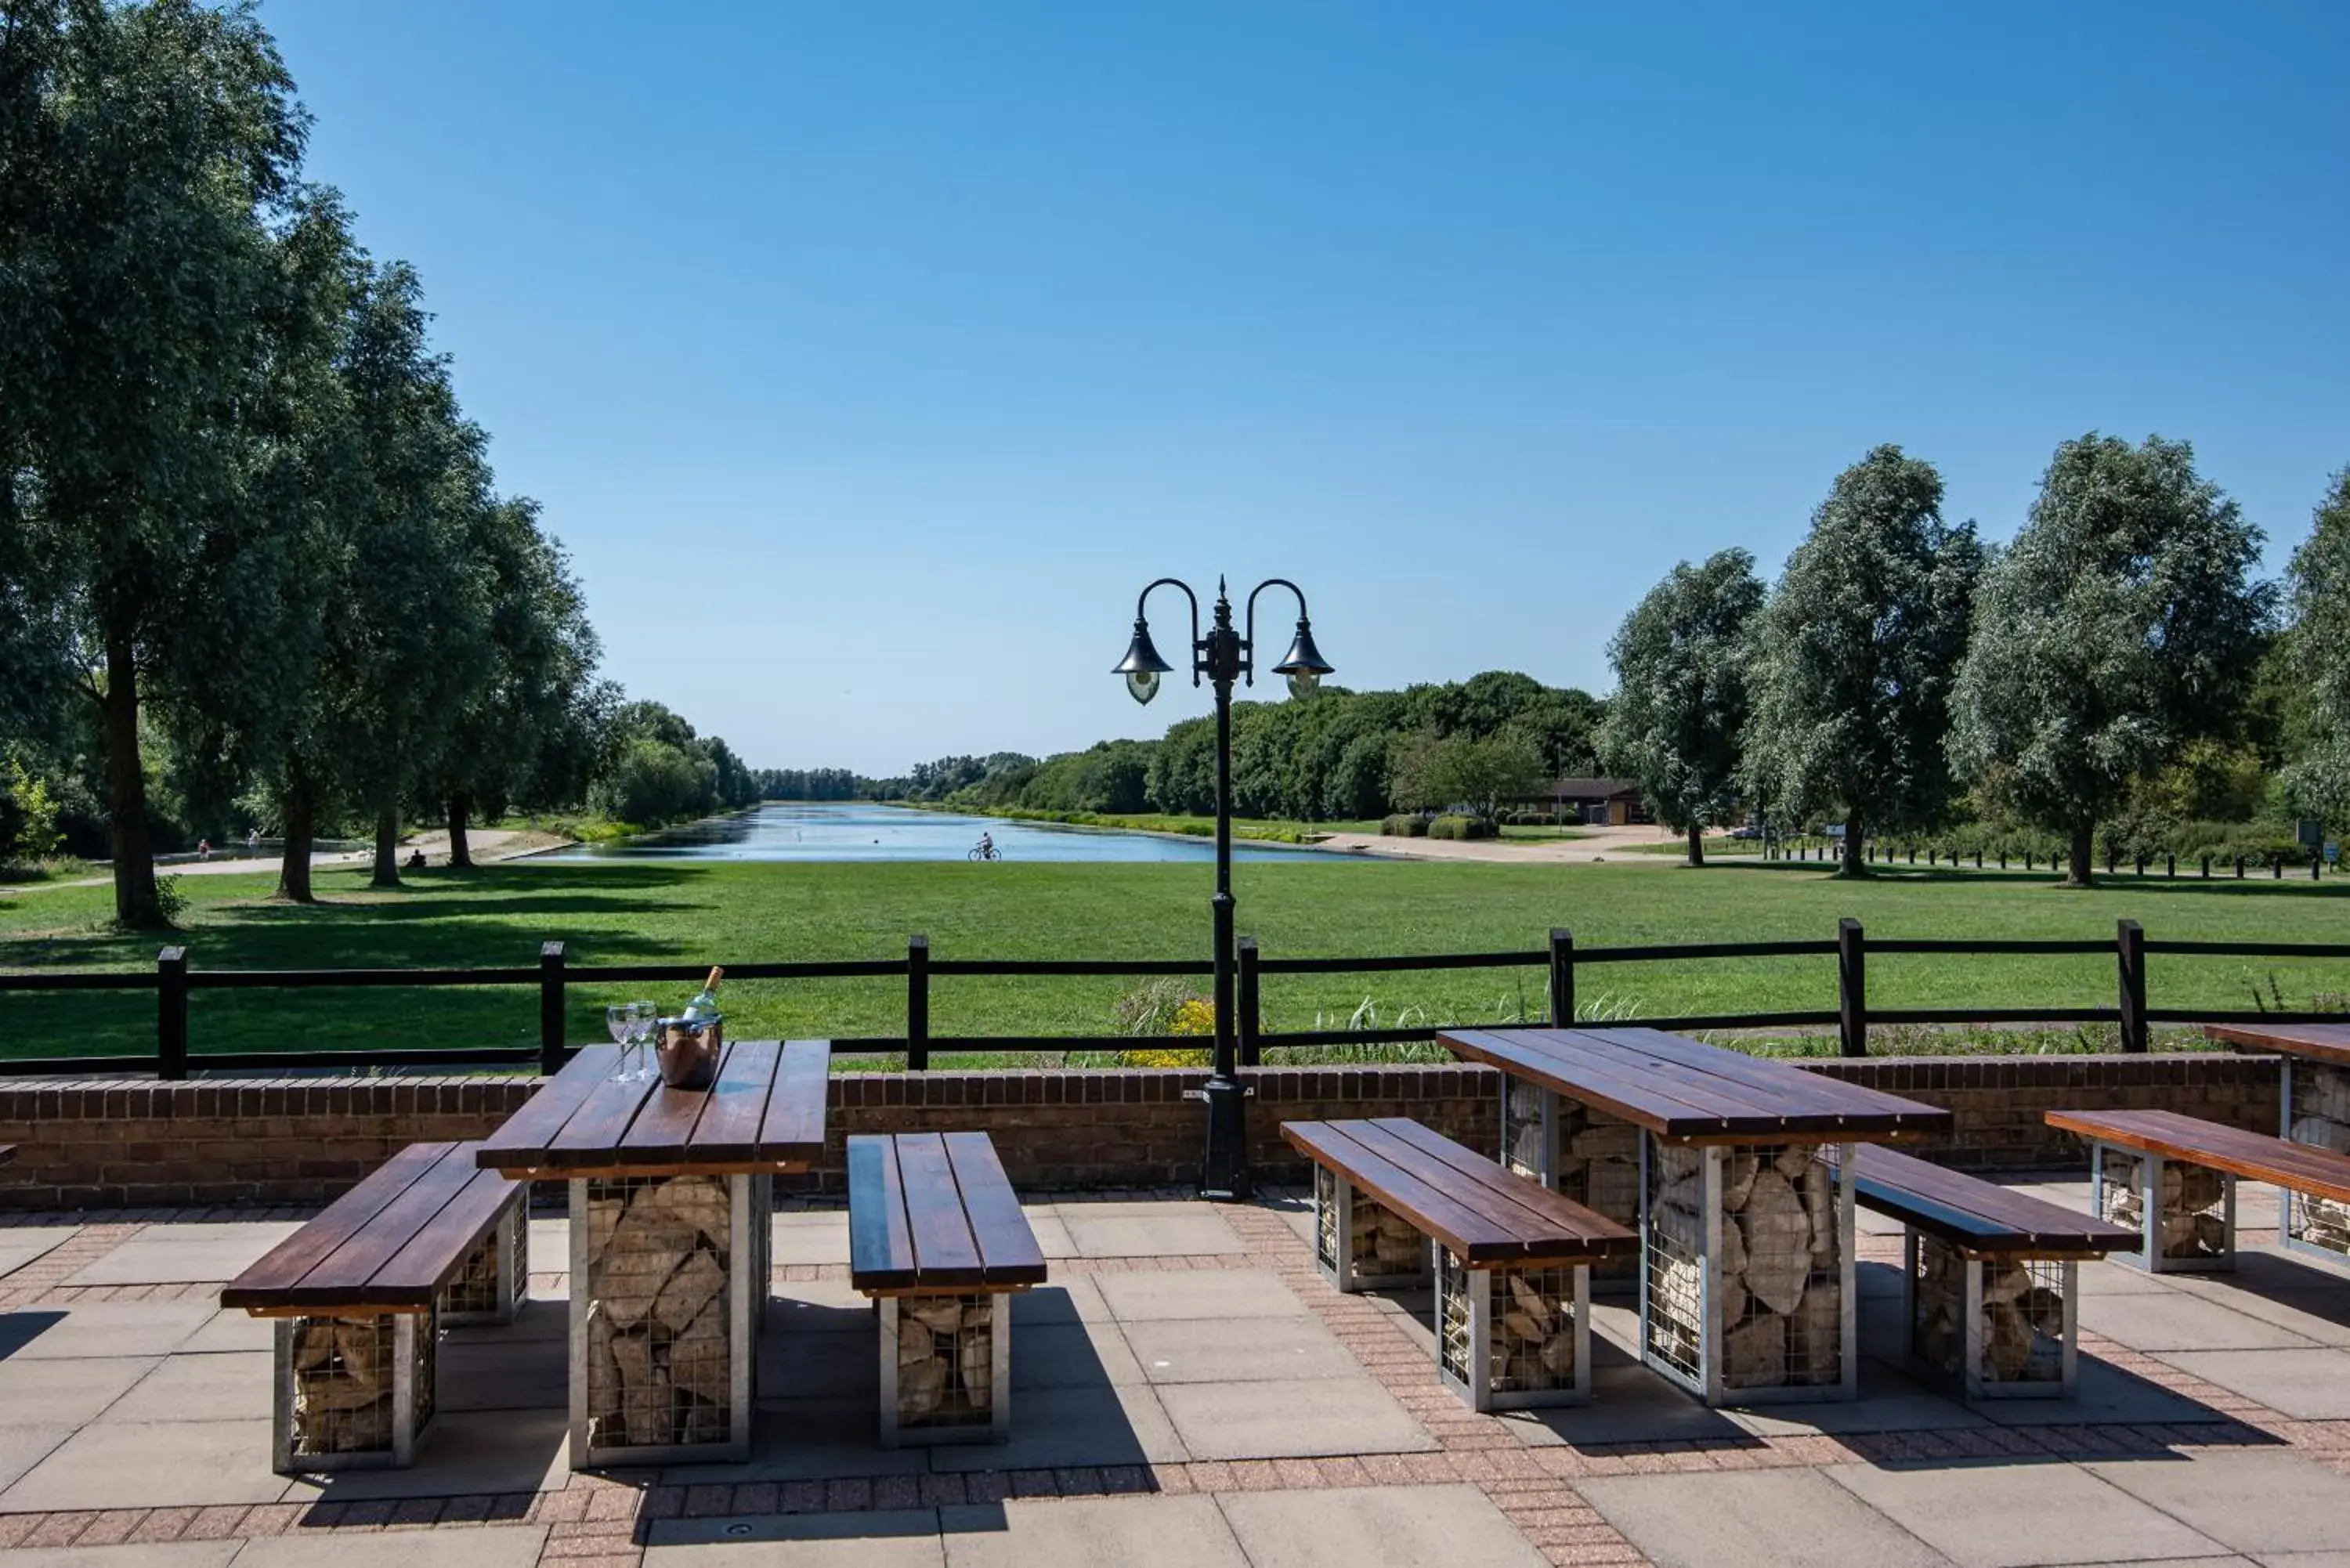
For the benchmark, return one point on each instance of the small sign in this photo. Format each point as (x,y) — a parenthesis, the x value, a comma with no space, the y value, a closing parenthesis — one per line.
(2310,831)
(2332,851)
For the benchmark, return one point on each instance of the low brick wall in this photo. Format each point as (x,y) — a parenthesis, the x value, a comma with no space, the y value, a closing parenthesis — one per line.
(116,1144)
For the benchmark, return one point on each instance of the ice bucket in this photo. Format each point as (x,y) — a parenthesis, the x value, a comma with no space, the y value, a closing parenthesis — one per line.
(687,1050)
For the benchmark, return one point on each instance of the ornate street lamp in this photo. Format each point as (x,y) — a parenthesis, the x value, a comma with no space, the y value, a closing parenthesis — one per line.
(1223,656)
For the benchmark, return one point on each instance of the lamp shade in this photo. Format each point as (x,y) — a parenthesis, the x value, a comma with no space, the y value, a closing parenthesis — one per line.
(1142,667)
(1304,663)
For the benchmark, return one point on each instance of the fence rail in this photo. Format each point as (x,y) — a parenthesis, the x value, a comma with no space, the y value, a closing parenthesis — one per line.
(171,979)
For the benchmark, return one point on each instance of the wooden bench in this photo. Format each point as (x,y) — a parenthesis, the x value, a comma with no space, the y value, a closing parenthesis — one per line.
(937,1240)
(360,1294)
(1990,1276)
(2173,1178)
(1513,1260)
(7,1152)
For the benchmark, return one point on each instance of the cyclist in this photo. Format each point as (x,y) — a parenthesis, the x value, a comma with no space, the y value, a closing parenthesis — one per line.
(986,845)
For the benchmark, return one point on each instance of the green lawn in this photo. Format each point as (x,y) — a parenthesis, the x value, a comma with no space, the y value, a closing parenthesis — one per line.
(653,913)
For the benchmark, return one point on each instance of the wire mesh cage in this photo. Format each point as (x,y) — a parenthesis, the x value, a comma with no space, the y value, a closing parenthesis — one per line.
(1781,1268)
(496,1278)
(353,1390)
(944,1348)
(1327,1219)
(1359,1241)
(1999,1325)
(2193,1223)
(1673,1302)
(659,1352)
(2318,1113)
(1510,1337)
(1526,1147)
(1597,1161)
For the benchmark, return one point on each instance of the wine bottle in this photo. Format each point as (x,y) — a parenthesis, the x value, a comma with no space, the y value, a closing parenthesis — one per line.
(704,1005)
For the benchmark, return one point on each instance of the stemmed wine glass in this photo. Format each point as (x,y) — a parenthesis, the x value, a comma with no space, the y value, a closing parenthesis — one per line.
(621,1021)
(644,1018)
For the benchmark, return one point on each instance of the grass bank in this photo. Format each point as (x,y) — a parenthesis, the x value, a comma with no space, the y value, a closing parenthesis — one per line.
(659,913)
(1263,830)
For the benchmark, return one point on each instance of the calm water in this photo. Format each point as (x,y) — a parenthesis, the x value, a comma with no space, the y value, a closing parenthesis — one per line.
(857,832)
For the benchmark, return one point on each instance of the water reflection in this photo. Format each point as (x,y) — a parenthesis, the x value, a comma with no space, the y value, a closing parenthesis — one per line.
(862,831)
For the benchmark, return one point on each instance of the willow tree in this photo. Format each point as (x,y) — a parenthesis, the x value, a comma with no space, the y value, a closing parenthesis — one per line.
(2121,624)
(151,160)
(1680,701)
(1855,653)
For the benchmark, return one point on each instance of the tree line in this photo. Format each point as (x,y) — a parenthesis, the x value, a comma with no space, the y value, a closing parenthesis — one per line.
(254,568)
(2115,667)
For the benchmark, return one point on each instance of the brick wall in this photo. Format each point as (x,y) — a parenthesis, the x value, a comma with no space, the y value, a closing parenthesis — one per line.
(131,1145)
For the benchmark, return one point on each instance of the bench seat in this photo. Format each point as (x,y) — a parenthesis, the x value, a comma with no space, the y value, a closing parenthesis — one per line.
(937,1240)
(1383,1185)
(1990,1276)
(361,1291)
(2173,1178)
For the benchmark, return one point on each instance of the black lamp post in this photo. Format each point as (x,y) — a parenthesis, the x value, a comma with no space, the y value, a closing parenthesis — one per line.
(1223,656)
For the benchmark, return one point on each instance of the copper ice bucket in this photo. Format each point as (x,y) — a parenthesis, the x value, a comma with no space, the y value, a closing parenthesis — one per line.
(687,1050)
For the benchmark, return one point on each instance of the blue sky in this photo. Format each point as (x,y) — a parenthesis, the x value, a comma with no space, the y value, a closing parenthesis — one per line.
(870,358)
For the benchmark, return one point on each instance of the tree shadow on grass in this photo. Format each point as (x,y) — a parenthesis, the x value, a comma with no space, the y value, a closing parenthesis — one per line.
(2262,887)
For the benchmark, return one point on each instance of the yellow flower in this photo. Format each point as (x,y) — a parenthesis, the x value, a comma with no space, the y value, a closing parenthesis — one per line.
(1195,1016)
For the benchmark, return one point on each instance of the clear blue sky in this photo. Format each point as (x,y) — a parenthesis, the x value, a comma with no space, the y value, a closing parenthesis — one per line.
(869,358)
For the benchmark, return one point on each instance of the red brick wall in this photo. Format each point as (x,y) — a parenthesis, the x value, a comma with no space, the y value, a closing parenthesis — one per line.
(114,1144)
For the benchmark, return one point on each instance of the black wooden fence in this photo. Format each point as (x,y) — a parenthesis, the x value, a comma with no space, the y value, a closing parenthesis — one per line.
(171,979)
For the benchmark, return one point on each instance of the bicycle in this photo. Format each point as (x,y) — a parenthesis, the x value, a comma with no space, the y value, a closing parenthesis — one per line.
(984,852)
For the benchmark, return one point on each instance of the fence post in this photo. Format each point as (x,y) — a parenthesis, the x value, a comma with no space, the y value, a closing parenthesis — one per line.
(918,1003)
(2169,865)
(1247,1022)
(2240,868)
(171,1014)
(1562,978)
(1852,988)
(2207,867)
(550,1008)
(2129,946)
(2316,863)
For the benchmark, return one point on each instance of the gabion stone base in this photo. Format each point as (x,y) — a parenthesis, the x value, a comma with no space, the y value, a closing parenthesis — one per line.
(667,1290)
(495,1281)
(2185,1213)
(946,1368)
(1997,1327)
(1360,1243)
(2317,1113)
(1746,1289)
(1513,1338)
(353,1392)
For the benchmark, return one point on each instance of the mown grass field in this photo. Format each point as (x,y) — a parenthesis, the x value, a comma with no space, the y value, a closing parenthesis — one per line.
(653,913)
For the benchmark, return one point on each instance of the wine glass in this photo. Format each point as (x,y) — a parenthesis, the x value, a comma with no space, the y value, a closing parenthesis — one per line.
(621,1021)
(644,1018)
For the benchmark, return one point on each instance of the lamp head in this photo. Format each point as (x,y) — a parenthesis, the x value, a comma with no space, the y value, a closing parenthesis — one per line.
(1304,663)
(1142,667)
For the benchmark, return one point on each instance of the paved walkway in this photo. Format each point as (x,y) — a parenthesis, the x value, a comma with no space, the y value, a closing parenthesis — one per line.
(1187,1391)
(1615,844)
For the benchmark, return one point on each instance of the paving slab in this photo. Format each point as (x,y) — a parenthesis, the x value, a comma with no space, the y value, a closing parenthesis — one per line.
(1755,1518)
(1290,1418)
(146,1554)
(2179,1321)
(2309,1384)
(152,1464)
(22,1447)
(881,1539)
(462,1455)
(2256,1501)
(2103,1393)
(60,1392)
(2020,1515)
(2319,1313)
(812,1439)
(2108,1278)
(1202,1350)
(1164,1531)
(485,1546)
(1395,1527)
(184,1255)
(100,1328)
(1889,1401)
(1069,1355)
(237,1330)
(1192,1231)
(20,1245)
(483,1371)
(1074,1300)
(1629,1403)
(1051,1234)
(233,1386)
(816,1306)
(813,1237)
(1120,1424)
(1222,1293)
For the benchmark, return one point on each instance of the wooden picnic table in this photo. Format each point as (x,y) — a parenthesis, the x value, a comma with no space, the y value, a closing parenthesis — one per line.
(1728,1166)
(2312,1107)
(670,1201)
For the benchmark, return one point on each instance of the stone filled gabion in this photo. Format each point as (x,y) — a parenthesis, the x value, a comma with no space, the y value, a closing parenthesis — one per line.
(1386,1243)
(659,1353)
(1599,1168)
(2321,1118)
(946,1370)
(2023,1315)
(2194,1221)
(475,1293)
(343,1382)
(1531,1346)
(1780,1306)
(1522,1129)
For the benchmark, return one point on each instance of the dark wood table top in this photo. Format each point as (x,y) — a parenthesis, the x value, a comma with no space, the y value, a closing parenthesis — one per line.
(764,1113)
(1485,1214)
(934,1212)
(2303,1166)
(2328,1043)
(1693,1093)
(389,1243)
(1981,1216)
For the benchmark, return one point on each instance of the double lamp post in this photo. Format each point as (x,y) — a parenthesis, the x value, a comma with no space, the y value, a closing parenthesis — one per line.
(1223,656)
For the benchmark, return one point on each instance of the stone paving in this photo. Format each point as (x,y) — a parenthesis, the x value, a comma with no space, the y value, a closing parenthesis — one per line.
(1187,1390)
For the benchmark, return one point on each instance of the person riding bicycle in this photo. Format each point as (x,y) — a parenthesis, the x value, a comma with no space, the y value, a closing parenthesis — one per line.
(986,845)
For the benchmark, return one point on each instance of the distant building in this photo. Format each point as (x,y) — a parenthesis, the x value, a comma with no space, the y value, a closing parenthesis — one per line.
(1604,802)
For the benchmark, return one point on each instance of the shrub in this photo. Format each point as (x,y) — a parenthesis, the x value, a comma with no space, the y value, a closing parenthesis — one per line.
(1450,826)
(1404,825)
